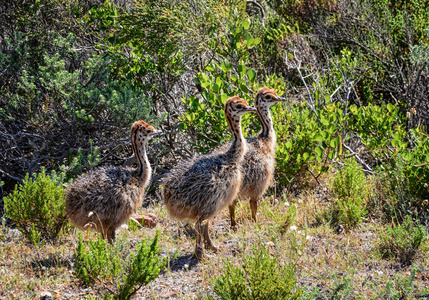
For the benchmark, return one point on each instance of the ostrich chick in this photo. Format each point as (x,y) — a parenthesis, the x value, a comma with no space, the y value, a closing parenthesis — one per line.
(105,198)
(198,188)
(258,163)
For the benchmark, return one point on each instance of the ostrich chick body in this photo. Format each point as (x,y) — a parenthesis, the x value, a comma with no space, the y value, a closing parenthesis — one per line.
(198,188)
(105,198)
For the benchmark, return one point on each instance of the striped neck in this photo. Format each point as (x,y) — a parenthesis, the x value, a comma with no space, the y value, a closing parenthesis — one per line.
(143,171)
(238,145)
(266,121)
(267,133)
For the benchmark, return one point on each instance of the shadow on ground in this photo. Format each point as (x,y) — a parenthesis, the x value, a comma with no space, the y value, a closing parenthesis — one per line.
(183,263)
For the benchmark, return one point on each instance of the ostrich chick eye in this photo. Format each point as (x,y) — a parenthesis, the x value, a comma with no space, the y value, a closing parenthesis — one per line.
(239,106)
(268,97)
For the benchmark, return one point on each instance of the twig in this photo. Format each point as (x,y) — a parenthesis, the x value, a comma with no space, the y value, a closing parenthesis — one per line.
(11,176)
(314,176)
(369,170)
(297,67)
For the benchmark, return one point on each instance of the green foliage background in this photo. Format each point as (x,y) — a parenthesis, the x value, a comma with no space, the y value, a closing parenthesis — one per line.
(76,74)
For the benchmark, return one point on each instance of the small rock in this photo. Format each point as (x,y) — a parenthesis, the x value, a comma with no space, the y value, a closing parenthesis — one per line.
(147,220)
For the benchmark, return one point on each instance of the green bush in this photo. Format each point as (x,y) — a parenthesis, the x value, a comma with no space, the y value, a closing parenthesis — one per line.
(380,127)
(352,191)
(401,188)
(37,208)
(317,125)
(417,166)
(117,266)
(402,242)
(204,118)
(259,277)
(296,142)
(391,200)
(400,288)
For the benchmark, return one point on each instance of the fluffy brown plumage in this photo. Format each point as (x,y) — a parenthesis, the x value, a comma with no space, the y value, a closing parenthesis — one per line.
(258,163)
(105,198)
(198,188)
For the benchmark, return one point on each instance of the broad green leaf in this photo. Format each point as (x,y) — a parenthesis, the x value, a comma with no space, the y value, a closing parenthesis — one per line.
(241,70)
(246,24)
(325,134)
(319,137)
(215,88)
(334,142)
(318,151)
(251,75)
(256,41)
(244,88)
(226,66)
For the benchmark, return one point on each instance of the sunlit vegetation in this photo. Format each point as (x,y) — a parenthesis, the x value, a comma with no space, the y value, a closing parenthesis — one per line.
(347,216)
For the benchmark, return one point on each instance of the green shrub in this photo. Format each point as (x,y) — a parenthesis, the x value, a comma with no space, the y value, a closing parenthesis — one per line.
(259,277)
(400,288)
(417,167)
(350,188)
(93,261)
(401,189)
(296,141)
(116,266)
(204,118)
(342,287)
(380,127)
(317,125)
(402,242)
(37,208)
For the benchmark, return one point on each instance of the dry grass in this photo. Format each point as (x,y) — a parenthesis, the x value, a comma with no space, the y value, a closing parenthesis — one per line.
(334,265)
